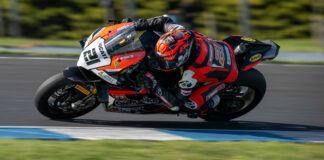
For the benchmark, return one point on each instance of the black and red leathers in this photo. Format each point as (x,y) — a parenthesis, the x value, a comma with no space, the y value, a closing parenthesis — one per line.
(211,64)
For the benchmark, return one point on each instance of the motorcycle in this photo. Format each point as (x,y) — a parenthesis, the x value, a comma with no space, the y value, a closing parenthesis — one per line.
(109,72)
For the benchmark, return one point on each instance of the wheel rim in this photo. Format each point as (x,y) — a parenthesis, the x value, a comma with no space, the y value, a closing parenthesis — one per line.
(68,100)
(234,104)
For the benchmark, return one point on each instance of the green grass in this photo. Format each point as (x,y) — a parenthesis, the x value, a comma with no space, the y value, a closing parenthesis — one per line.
(39,53)
(27,42)
(300,45)
(157,150)
(295,62)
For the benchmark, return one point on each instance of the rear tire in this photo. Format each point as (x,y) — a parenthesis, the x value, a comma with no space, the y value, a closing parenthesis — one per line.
(47,89)
(255,82)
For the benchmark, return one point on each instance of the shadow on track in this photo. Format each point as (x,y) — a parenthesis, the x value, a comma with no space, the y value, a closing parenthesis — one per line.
(230,125)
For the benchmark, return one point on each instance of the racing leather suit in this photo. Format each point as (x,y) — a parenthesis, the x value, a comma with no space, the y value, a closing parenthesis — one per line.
(211,64)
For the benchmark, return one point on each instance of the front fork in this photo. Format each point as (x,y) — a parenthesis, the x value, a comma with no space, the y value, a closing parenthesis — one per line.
(102,93)
(76,74)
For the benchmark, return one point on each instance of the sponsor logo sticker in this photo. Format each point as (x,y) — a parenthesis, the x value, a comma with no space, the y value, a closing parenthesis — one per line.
(255,58)
(105,76)
(116,64)
(81,89)
(249,39)
(131,56)
(220,87)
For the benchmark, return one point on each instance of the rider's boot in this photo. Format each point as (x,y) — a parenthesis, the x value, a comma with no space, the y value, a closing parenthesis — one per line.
(160,91)
(209,106)
(190,108)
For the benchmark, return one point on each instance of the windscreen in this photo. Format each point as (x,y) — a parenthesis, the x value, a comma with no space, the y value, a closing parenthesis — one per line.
(123,41)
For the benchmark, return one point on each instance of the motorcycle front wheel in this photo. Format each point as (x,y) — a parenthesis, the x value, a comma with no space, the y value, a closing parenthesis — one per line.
(61,98)
(250,86)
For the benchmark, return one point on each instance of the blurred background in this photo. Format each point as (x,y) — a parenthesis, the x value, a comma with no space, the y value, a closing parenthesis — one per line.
(295,92)
(286,20)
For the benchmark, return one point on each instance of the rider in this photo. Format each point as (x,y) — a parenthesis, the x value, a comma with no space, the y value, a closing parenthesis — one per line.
(207,64)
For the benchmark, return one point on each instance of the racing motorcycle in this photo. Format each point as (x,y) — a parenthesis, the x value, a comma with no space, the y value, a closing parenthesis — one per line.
(111,65)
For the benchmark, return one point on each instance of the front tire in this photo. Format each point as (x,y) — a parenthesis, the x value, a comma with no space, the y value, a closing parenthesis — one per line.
(55,96)
(254,85)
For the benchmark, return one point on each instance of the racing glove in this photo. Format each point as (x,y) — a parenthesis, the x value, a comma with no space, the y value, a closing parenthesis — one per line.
(141,25)
(160,24)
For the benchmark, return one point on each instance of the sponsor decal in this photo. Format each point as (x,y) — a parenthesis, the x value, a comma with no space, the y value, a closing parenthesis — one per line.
(131,56)
(82,90)
(173,27)
(113,70)
(219,56)
(160,94)
(109,79)
(102,51)
(105,76)
(249,39)
(211,54)
(255,58)
(228,56)
(186,92)
(149,75)
(124,27)
(166,102)
(116,64)
(220,87)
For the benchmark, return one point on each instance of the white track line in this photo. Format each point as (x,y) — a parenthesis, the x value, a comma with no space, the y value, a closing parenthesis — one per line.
(96,133)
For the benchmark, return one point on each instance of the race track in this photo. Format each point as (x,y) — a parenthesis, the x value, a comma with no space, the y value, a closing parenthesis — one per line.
(294,100)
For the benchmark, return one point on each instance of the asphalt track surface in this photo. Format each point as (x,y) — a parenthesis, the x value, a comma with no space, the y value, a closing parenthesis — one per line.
(294,100)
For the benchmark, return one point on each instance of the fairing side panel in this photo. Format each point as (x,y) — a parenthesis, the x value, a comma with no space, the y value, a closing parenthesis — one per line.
(122,61)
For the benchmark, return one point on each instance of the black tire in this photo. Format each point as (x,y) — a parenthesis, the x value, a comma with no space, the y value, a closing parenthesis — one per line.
(46,89)
(252,79)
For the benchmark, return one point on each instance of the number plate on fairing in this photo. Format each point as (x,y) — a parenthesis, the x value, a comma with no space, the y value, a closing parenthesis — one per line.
(95,55)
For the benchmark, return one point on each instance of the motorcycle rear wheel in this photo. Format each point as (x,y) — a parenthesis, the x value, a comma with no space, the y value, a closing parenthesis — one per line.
(56,96)
(253,86)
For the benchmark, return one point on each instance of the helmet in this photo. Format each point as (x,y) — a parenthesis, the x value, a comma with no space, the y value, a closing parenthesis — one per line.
(173,49)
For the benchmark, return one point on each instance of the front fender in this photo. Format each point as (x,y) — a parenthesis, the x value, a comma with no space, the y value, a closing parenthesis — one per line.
(78,74)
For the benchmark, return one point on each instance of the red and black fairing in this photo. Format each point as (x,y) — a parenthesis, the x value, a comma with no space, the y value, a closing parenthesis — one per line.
(256,51)
(127,101)
(130,97)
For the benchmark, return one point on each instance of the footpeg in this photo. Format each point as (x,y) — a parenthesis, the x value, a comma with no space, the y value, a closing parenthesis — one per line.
(193,115)
(105,106)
